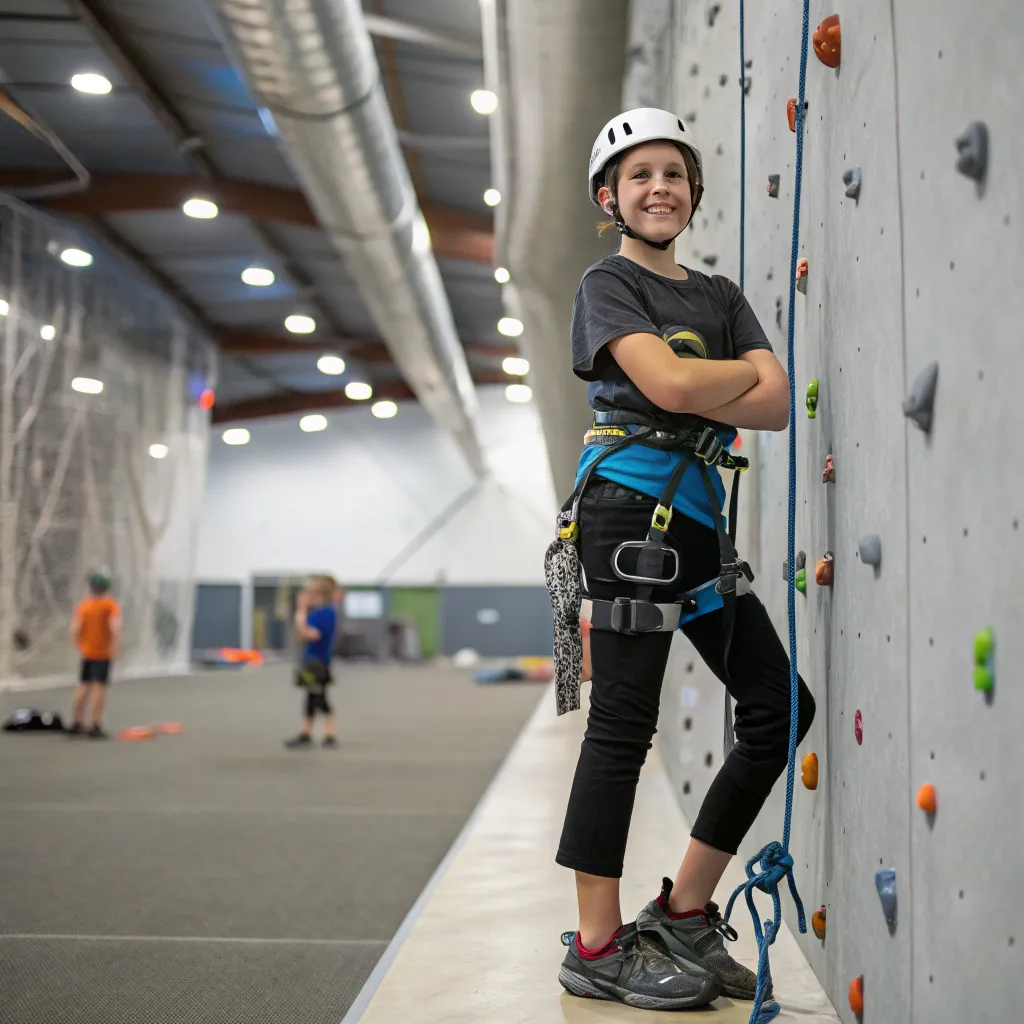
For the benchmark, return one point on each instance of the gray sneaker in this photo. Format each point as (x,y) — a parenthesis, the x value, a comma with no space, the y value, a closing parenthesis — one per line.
(701,940)
(637,972)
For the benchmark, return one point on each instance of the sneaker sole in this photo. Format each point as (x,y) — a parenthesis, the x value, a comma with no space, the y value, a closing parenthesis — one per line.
(587,988)
(652,928)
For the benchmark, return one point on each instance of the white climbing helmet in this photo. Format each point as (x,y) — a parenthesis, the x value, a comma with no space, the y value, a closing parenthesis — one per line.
(643,124)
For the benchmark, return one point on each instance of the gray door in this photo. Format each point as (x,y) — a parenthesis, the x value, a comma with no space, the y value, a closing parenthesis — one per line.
(497,621)
(218,619)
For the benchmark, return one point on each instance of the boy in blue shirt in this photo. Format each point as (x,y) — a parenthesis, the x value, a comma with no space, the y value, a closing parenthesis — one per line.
(315,621)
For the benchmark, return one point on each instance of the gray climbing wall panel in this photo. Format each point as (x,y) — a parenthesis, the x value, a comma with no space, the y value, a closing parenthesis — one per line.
(921,267)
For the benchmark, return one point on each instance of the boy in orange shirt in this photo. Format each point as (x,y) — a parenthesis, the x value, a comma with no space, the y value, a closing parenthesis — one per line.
(96,632)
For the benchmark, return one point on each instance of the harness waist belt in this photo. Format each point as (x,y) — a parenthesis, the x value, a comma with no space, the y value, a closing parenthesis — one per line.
(626,616)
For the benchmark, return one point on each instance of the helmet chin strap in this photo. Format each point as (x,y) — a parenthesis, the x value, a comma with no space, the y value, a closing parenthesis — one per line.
(625,229)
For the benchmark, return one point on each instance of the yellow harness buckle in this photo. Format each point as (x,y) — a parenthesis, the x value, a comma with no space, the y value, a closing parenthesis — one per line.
(661,518)
(570,532)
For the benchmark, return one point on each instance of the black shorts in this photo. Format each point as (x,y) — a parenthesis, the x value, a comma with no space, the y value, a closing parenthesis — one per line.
(95,671)
(314,677)
(316,700)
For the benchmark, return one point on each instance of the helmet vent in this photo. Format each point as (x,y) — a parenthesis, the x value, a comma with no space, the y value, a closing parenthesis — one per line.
(611,136)
(682,127)
(626,128)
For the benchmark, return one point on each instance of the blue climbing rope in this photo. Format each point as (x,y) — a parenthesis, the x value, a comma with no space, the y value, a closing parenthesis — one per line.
(743,146)
(773,863)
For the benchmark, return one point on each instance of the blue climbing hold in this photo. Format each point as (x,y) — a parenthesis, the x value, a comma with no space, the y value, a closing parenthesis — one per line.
(885,883)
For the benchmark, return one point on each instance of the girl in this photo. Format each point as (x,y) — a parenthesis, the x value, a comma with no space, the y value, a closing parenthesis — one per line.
(677,361)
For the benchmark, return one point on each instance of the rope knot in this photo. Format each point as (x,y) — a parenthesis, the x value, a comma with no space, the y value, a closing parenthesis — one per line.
(776,865)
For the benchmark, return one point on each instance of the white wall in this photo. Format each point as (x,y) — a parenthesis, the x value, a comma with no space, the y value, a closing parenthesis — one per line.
(349,499)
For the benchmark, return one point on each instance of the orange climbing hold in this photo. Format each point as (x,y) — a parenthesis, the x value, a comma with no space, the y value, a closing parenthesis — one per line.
(809,771)
(818,923)
(791,113)
(825,572)
(857,995)
(827,41)
(926,798)
(136,732)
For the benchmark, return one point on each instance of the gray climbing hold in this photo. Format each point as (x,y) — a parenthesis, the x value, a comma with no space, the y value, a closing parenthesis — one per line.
(851,179)
(870,548)
(778,311)
(917,406)
(710,260)
(973,149)
(885,883)
(747,83)
(773,186)
(691,117)
(694,70)
(801,563)
(723,79)
(713,13)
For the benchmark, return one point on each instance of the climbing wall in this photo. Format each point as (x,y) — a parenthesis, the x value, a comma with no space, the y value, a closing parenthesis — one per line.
(916,267)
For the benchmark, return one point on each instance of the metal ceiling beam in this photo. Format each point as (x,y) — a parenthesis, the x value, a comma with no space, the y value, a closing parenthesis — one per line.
(241,341)
(420,35)
(454,233)
(289,403)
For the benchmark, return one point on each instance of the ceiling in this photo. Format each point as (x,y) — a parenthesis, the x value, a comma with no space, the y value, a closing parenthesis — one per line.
(181,122)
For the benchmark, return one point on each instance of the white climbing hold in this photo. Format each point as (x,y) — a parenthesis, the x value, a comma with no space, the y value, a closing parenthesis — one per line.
(917,406)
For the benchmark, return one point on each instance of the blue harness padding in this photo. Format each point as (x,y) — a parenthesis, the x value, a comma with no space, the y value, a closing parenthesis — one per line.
(708,600)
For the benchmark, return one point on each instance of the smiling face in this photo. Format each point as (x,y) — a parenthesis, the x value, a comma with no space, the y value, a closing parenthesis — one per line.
(652,190)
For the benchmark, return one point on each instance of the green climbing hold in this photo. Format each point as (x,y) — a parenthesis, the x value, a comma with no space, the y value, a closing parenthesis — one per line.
(801,580)
(984,649)
(812,399)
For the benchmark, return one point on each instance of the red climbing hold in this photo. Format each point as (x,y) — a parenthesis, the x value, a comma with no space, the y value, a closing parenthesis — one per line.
(926,798)
(857,995)
(827,41)
(809,771)
(825,572)
(801,275)
(791,113)
(818,923)
(858,727)
(828,476)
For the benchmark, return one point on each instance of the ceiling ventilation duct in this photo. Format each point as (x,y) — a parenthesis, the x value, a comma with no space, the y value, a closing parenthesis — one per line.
(558,71)
(311,64)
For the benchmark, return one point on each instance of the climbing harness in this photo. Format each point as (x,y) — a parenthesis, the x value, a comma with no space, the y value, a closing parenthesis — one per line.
(629,129)
(773,863)
(657,564)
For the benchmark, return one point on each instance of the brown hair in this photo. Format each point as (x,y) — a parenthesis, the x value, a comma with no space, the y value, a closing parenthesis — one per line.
(611,179)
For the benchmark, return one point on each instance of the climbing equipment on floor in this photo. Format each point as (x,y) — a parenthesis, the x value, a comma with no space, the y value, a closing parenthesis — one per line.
(629,129)
(774,862)
(828,41)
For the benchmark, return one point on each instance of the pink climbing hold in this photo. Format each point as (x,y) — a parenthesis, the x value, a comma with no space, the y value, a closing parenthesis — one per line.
(858,727)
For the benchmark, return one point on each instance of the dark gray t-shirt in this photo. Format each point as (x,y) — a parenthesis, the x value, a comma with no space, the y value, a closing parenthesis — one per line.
(704,317)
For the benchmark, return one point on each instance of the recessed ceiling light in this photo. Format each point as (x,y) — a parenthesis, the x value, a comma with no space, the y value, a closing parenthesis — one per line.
(87,385)
(421,241)
(4,308)
(384,409)
(516,367)
(492,197)
(299,324)
(510,327)
(312,423)
(518,392)
(358,391)
(158,451)
(332,365)
(483,101)
(47,332)
(260,277)
(235,435)
(200,209)
(76,258)
(501,275)
(98,85)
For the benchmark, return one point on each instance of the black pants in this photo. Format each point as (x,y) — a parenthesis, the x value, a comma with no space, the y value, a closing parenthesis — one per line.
(626,690)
